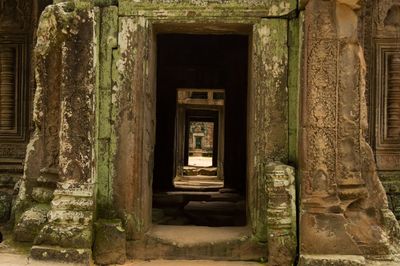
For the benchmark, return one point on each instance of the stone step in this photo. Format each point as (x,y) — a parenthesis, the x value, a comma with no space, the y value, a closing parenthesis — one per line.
(198,184)
(193,263)
(181,197)
(197,243)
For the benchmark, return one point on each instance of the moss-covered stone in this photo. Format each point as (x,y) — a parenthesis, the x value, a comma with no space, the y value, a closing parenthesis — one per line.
(31,222)
(67,255)
(5,206)
(269,100)
(107,43)
(42,195)
(331,260)
(66,236)
(110,242)
(271,8)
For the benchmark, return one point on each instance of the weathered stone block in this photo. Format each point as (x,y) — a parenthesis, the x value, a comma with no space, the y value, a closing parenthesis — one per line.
(331,260)
(66,236)
(30,223)
(76,203)
(70,217)
(110,242)
(61,254)
(42,195)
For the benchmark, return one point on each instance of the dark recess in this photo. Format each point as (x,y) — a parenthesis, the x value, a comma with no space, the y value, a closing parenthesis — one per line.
(202,61)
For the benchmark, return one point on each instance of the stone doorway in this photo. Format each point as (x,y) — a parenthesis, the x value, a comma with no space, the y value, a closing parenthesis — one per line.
(264,123)
(185,194)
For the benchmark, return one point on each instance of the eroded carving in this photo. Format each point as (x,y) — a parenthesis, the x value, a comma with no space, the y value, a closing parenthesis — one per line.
(320,116)
(15,14)
(59,155)
(338,169)
(7,88)
(393,16)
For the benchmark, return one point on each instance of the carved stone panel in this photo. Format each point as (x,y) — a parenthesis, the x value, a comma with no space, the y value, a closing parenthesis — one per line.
(393,98)
(7,88)
(387,91)
(320,109)
(13,90)
(343,205)
(386,17)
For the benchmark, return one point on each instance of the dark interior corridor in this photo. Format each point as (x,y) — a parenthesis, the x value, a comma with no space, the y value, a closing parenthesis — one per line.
(212,62)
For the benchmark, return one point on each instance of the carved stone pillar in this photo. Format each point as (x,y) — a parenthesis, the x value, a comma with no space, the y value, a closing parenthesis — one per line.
(344,208)
(59,157)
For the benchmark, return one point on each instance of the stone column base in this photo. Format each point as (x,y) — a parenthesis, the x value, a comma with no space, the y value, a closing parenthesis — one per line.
(68,234)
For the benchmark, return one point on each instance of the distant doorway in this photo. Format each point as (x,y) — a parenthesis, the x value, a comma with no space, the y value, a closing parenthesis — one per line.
(199,139)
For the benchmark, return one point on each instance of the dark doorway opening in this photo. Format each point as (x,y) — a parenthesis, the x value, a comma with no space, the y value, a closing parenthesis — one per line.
(219,62)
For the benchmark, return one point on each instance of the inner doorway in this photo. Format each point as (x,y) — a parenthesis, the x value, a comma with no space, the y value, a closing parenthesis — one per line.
(210,64)
(199,139)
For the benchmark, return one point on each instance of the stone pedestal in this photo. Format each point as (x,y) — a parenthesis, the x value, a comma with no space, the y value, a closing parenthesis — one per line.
(281,214)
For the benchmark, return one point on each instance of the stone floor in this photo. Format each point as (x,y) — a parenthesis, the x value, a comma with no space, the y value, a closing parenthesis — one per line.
(18,259)
(18,255)
(223,207)
(10,257)
(22,260)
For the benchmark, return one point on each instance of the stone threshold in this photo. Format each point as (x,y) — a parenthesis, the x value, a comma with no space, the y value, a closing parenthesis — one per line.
(343,260)
(197,243)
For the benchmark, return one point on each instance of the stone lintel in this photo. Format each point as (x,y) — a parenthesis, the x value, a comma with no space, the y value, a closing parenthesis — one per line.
(256,8)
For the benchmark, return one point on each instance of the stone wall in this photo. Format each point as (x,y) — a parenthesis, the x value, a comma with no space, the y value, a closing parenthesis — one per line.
(94,128)
(344,208)
(18,22)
